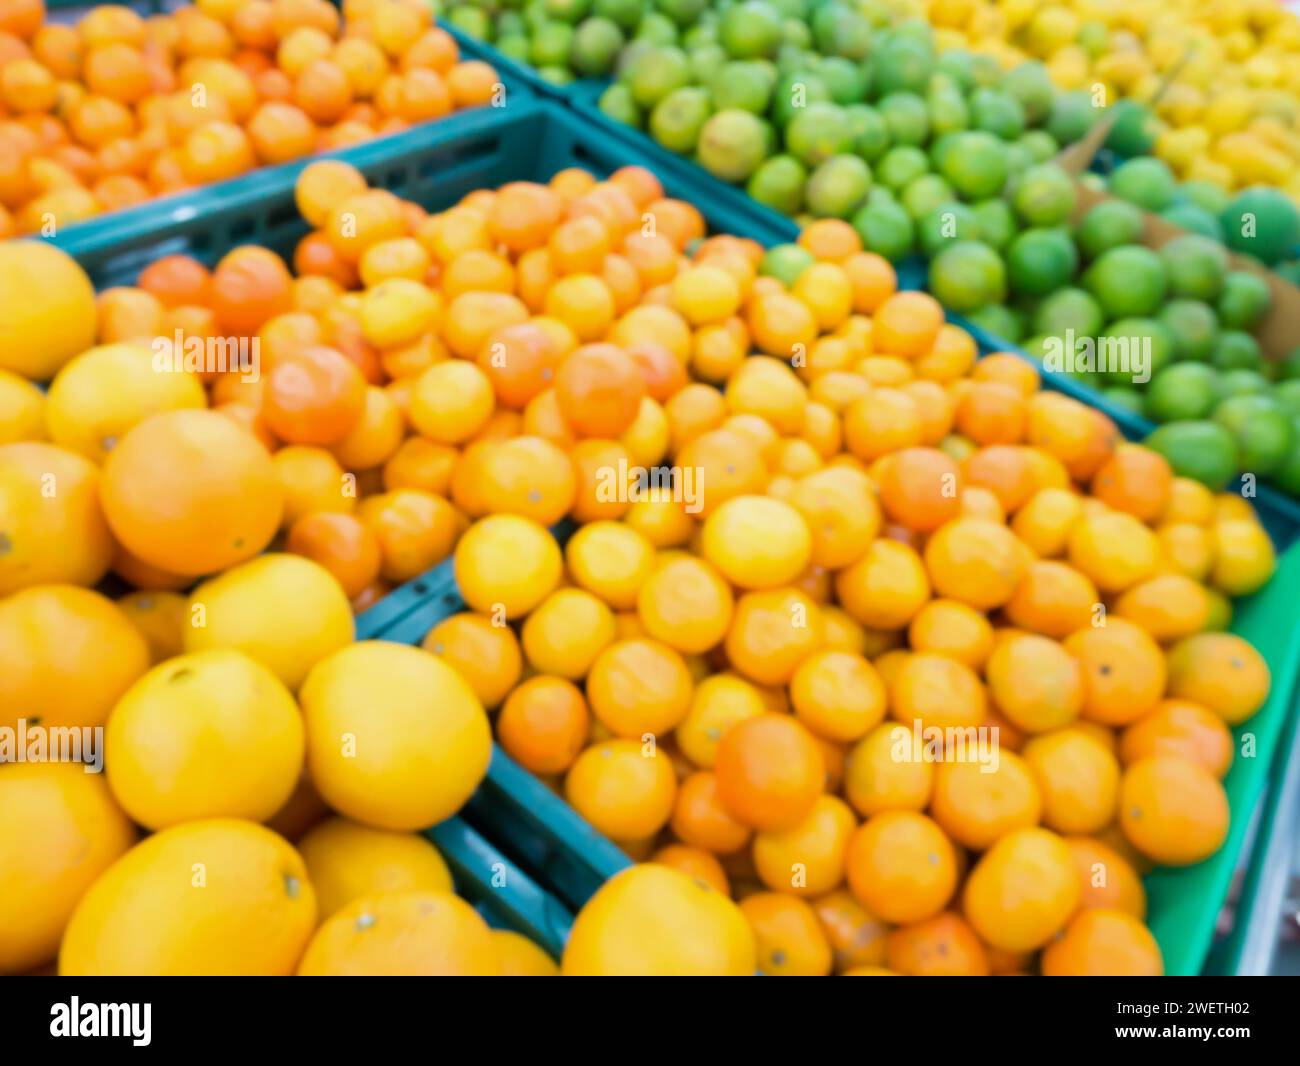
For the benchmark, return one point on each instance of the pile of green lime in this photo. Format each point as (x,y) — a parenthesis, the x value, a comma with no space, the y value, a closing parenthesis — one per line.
(834,109)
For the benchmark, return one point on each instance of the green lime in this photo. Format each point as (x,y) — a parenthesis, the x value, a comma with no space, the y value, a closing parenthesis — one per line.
(945,223)
(1124,397)
(817,132)
(1182,391)
(1039,144)
(959,65)
(1108,225)
(1131,350)
(1262,430)
(683,12)
(654,73)
(571,11)
(900,166)
(1068,310)
(1030,84)
(924,193)
(1146,182)
(677,119)
(1286,475)
(967,275)
(1071,117)
(778,183)
(906,117)
(732,144)
(596,45)
(838,187)
(785,262)
(743,85)
(1237,350)
(705,59)
(1199,449)
(1262,221)
(1195,266)
(794,93)
(1040,261)
(885,228)
(551,45)
(1195,220)
(625,13)
(1242,381)
(516,46)
(1287,395)
(1244,300)
(976,165)
(998,321)
(750,29)
(1194,327)
(657,29)
(470,20)
(902,64)
(617,103)
(998,112)
(1206,195)
(870,134)
(840,31)
(1134,131)
(1288,366)
(1044,195)
(948,110)
(1129,280)
(845,79)
(795,34)
(996,221)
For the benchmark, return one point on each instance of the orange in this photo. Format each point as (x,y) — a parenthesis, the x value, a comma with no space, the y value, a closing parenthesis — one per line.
(808,858)
(421,464)
(770,771)
(772,632)
(950,357)
(566,632)
(885,420)
(1009,369)
(781,325)
(975,561)
(1182,728)
(937,692)
(1123,671)
(415,529)
(1168,606)
(942,946)
(977,804)
(841,514)
(1173,810)
(901,867)
(885,587)
(1054,599)
(724,462)
(1077,435)
(947,627)
(857,937)
(312,480)
(686,604)
(1114,549)
(920,488)
(830,239)
(1134,480)
(696,863)
(756,542)
(621,790)
(879,775)
(342,544)
(1022,891)
(599,389)
(323,185)
(177,280)
(651,919)
(68,654)
(506,565)
(701,820)
(1006,471)
(544,724)
(1103,943)
(250,286)
(314,396)
(838,695)
(790,940)
(907,324)
(485,655)
(47,306)
(611,560)
(1108,879)
(1244,557)
(1035,682)
(190,492)
(1220,671)
(639,687)
(523,215)
(452,402)
(1044,521)
(1079,780)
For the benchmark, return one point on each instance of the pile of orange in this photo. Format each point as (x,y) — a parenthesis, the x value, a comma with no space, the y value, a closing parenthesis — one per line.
(866,531)
(118,109)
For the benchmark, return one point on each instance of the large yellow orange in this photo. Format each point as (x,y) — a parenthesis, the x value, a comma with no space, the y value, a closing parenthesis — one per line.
(192,492)
(520,957)
(212,734)
(212,897)
(102,393)
(22,409)
(346,861)
(285,611)
(59,830)
(52,528)
(403,934)
(651,920)
(47,309)
(66,655)
(506,565)
(396,738)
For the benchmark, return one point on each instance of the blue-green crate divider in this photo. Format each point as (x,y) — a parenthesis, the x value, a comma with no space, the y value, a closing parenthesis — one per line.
(503,894)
